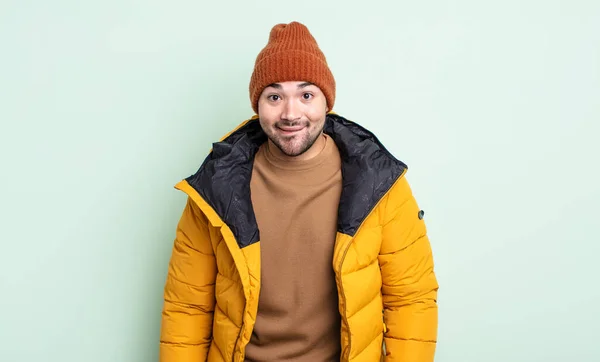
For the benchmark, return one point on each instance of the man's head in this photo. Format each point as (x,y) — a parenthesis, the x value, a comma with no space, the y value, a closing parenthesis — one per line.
(292,114)
(292,88)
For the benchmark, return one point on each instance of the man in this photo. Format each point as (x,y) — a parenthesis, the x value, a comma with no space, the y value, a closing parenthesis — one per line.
(300,240)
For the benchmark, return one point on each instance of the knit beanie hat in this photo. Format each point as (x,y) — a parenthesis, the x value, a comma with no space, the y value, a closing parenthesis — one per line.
(292,54)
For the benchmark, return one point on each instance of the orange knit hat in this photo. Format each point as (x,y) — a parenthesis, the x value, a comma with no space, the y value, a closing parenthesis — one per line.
(292,54)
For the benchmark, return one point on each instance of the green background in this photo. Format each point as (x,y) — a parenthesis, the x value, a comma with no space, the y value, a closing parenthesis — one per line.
(105,105)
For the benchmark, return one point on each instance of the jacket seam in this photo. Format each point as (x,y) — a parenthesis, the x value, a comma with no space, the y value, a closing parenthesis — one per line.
(407,246)
(228,317)
(412,339)
(377,293)
(395,211)
(367,346)
(362,267)
(406,304)
(184,344)
(219,349)
(190,245)
(195,306)
(228,278)
(191,285)
(397,208)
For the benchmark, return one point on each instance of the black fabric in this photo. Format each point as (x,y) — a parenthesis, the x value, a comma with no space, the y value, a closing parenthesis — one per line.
(368,171)
(223,179)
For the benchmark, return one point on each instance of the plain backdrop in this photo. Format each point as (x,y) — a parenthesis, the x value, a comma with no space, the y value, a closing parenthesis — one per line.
(494,106)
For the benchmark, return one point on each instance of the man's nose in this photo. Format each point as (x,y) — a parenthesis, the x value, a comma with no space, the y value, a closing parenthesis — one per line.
(291,110)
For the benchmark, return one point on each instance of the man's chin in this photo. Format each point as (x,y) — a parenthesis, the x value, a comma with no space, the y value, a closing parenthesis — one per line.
(290,151)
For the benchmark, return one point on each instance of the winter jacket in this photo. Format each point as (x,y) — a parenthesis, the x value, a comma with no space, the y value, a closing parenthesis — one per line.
(382,260)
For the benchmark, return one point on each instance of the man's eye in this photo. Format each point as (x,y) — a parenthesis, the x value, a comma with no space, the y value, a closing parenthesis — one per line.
(273,97)
(307,96)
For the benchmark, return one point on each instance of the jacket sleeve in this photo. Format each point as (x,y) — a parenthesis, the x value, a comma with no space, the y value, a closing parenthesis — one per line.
(409,286)
(189,293)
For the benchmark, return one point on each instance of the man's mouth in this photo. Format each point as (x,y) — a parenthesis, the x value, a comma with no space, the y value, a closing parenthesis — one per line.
(290,130)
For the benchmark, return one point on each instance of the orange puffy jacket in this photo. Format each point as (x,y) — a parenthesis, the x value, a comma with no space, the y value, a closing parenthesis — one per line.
(382,260)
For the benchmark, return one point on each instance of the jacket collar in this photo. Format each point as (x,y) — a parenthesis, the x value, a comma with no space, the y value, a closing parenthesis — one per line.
(368,169)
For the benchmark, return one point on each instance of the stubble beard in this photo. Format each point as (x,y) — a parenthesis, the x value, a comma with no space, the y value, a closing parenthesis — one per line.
(295,145)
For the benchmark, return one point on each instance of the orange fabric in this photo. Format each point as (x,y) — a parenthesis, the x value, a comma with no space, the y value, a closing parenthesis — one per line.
(291,54)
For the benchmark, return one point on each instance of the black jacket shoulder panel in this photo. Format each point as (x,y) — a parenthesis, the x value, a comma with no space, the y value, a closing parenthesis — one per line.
(223,181)
(368,171)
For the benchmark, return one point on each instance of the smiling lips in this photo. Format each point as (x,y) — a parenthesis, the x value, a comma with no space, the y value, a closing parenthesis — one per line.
(288,131)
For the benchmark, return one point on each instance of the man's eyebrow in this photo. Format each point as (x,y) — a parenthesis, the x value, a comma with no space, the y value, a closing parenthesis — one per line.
(304,85)
(300,86)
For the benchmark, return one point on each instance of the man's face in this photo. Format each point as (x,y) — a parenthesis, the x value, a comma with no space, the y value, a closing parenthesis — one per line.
(292,114)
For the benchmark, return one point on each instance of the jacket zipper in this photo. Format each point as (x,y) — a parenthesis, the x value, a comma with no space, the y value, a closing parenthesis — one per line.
(344,318)
(236,342)
(239,336)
